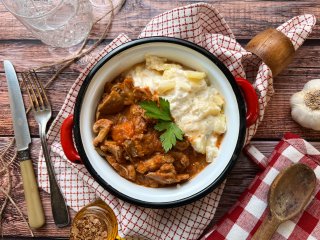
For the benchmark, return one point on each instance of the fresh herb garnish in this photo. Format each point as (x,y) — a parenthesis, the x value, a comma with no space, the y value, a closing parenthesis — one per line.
(154,111)
(171,134)
(165,123)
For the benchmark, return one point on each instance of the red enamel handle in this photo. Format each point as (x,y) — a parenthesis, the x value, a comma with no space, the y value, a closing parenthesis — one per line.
(67,141)
(251,99)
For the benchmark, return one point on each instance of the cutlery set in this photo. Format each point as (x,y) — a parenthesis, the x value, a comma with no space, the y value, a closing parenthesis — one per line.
(42,113)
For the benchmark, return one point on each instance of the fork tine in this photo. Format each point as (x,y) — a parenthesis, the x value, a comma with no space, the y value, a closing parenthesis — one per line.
(31,93)
(40,87)
(35,84)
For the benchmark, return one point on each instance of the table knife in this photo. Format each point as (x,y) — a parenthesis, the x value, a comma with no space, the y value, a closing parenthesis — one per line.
(22,136)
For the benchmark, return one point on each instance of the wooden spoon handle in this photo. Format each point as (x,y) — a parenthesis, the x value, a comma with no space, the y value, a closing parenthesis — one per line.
(267,228)
(274,48)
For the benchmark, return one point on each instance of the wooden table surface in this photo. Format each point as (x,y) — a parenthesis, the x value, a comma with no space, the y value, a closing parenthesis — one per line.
(245,18)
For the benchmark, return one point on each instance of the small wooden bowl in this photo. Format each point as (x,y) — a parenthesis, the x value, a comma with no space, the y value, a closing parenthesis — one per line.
(274,48)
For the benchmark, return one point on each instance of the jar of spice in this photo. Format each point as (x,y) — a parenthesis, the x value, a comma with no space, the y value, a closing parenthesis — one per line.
(95,221)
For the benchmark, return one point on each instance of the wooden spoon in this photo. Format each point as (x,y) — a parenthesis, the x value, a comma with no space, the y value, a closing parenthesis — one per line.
(289,193)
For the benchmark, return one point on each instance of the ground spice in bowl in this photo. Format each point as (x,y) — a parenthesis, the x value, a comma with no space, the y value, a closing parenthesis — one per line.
(95,221)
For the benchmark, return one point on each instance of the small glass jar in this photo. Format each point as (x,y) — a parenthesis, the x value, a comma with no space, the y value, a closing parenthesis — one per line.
(95,221)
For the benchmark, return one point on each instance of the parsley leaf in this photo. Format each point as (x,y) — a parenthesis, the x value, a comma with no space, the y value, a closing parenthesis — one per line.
(165,105)
(153,111)
(170,136)
(162,113)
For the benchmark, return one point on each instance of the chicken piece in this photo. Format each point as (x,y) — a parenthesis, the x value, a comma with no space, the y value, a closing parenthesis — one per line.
(137,117)
(181,160)
(167,178)
(102,127)
(127,91)
(114,149)
(142,94)
(131,172)
(111,103)
(154,163)
(136,111)
(127,172)
(143,145)
(167,168)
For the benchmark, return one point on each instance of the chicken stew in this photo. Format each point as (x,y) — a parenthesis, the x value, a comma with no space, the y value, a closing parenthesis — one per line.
(126,138)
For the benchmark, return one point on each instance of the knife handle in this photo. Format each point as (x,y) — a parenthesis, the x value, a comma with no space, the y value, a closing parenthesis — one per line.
(32,196)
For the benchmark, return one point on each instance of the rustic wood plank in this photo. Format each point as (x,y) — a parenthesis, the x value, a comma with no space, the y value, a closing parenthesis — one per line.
(26,54)
(238,180)
(245,18)
(31,54)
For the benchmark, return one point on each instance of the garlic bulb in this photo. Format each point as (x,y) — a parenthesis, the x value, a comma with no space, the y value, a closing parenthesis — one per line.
(305,105)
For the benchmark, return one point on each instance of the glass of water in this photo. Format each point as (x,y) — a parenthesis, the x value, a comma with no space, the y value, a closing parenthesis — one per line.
(59,23)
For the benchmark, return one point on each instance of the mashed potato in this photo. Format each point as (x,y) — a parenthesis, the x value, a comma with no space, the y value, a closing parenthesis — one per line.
(196,107)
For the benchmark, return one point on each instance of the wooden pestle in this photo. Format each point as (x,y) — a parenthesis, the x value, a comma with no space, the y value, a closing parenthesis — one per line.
(274,48)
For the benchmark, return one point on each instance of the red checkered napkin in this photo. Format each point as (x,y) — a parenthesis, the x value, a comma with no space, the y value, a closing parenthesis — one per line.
(202,24)
(246,216)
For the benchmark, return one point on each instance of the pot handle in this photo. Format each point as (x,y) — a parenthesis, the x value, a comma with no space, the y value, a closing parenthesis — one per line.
(67,141)
(251,99)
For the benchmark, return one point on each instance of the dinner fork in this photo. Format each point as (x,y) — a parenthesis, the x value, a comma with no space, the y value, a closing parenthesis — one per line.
(42,113)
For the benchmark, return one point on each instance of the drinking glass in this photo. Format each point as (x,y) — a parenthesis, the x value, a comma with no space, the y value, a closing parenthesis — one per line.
(59,23)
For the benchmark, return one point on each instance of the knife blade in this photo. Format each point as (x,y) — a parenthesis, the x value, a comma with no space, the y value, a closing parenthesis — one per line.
(23,139)
(19,118)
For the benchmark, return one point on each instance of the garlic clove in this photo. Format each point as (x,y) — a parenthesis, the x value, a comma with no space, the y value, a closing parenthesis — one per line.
(313,121)
(297,98)
(306,117)
(298,117)
(312,85)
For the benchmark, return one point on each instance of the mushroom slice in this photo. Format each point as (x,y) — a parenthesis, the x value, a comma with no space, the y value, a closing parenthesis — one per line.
(154,163)
(167,178)
(102,127)
(167,175)
(114,149)
(127,172)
